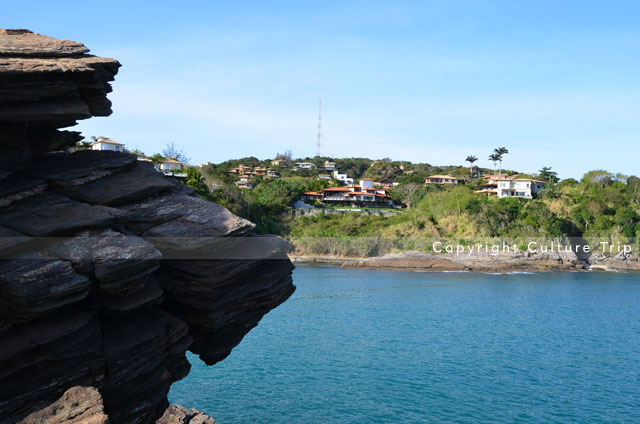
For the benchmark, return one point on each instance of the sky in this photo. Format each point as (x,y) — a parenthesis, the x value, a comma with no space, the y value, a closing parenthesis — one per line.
(556,82)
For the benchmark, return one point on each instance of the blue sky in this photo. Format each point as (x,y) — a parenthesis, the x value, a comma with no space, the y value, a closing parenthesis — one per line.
(556,82)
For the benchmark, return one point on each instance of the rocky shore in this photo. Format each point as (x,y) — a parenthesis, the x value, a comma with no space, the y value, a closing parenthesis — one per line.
(502,263)
(103,282)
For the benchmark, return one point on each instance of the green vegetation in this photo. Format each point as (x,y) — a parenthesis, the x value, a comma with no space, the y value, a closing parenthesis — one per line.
(601,204)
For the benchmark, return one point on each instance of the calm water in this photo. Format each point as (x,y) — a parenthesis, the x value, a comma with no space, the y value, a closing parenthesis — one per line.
(355,346)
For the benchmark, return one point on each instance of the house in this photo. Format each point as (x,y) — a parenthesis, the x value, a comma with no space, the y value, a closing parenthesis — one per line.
(171,165)
(489,188)
(103,143)
(442,180)
(311,195)
(475,171)
(260,171)
(244,182)
(342,177)
(305,165)
(362,195)
(385,184)
(239,170)
(282,163)
(205,165)
(324,177)
(329,166)
(272,174)
(526,188)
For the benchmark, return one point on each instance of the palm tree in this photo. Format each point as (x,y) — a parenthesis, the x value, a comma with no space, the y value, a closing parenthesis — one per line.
(495,157)
(501,151)
(471,159)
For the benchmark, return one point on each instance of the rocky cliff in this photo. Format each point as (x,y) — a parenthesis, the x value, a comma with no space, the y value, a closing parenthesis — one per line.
(109,271)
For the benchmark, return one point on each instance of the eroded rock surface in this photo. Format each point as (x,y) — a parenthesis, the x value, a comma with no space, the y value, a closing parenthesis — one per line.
(109,271)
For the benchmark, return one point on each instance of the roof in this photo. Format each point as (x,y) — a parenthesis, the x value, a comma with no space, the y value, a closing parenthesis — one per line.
(324,175)
(443,176)
(312,193)
(171,160)
(337,189)
(366,179)
(107,141)
(520,179)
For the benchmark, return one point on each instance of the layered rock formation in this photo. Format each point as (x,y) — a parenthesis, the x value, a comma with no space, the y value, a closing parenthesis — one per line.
(109,271)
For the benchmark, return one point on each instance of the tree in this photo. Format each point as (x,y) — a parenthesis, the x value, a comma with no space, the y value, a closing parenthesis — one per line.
(547,174)
(550,191)
(501,151)
(495,157)
(196,180)
(409,194)
(157,159)
(171,151)
(471,159)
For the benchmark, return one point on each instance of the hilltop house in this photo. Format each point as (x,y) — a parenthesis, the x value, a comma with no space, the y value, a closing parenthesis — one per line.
(239,170)
(103,143)
(329,166)
(170,166)
(305,165)
(324,177)
(244,182)
(362,195)
(525,188)
(442,180)
(342,177)
(489,188)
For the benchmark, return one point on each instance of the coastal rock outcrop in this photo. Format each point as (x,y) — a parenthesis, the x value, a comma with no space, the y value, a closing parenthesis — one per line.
(476,262)
(109,271)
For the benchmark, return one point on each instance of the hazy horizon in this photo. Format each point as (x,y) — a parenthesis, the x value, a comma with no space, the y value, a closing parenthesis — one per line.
(425,82)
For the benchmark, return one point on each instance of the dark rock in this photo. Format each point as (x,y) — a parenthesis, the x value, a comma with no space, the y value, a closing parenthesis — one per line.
(135,183)
(183,222)
(11,243)
(47,84)
(88,296)
(16,187)
(51,214)
(145,353)
(35,285)
(78,405)
(40,360)
(222,300)
(63,169)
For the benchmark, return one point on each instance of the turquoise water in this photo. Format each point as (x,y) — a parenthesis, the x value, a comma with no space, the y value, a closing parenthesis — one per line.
(355,346)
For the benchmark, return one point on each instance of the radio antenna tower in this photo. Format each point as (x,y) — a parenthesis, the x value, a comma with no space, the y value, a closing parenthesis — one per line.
(319,143)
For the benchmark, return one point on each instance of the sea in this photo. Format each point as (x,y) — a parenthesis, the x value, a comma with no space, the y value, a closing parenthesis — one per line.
(368,346)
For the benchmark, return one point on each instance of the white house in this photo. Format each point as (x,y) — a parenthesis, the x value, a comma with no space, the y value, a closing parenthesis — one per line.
(525,188)
(305,165)
(342,177)
(171,165)
(442,180)
(366,183)
(103,143)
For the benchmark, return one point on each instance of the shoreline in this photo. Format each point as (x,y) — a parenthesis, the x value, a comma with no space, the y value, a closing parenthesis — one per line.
(413,261)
